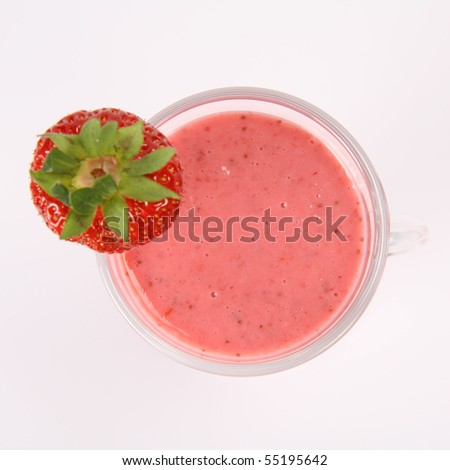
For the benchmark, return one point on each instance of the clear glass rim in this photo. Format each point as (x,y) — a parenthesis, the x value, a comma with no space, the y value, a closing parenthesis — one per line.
(376,262)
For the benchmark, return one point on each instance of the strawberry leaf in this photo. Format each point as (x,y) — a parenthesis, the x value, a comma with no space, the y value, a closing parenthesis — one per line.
(108,138)
(76,224)
(129,140)
(142,188)
(69,144)
(105,187)
(85,200)
(90,136)
(154,161)
(47,180)
(115,212)
(60,163)
(60,192)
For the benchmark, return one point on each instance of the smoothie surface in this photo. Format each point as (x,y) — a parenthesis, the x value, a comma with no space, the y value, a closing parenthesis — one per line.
(246,292)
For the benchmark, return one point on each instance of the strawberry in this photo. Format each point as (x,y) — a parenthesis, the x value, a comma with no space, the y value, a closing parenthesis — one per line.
(105,179)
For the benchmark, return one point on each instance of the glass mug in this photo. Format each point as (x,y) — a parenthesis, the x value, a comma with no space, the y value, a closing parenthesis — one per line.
(385,239)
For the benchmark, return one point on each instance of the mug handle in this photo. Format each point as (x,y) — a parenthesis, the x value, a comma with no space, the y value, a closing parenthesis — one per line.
(405,235)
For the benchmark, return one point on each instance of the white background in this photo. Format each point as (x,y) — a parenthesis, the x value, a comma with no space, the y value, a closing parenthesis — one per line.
(74,375)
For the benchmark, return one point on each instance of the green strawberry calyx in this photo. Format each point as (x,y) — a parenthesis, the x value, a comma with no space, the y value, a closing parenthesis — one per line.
(96,169)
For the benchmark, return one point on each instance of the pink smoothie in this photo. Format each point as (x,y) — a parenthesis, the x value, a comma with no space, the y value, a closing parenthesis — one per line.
(235,300)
